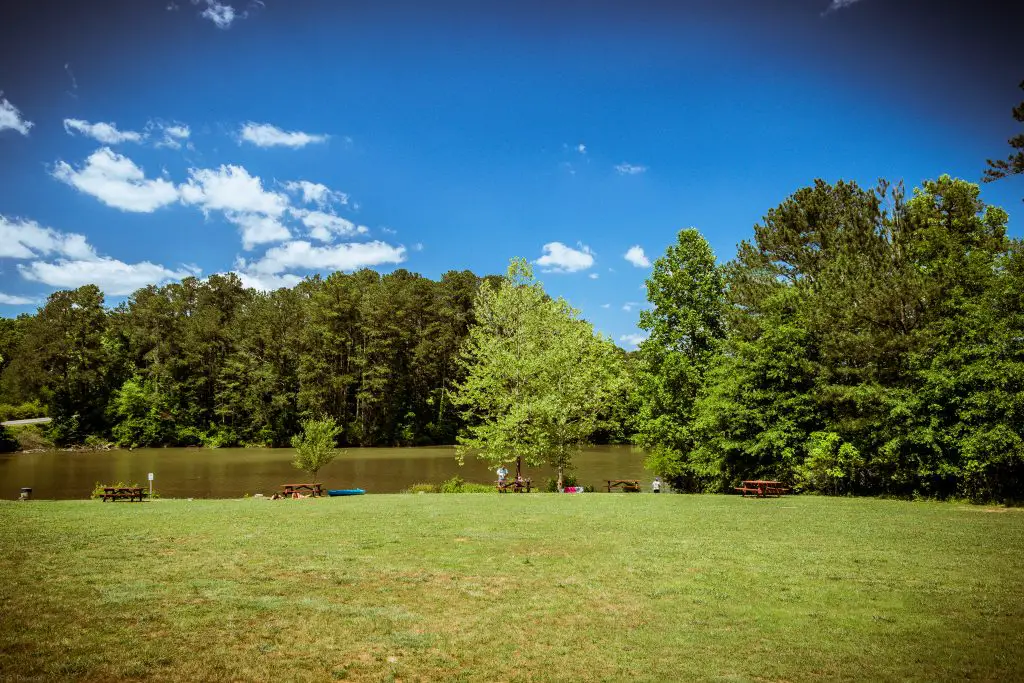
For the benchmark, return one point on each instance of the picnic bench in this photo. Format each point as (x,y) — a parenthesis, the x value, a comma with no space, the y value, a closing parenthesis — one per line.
(762,488)
(129,493)
(626,485)
(515,486)
(288,490)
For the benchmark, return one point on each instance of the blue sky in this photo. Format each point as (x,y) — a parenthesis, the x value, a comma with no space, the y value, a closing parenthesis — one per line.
(144,141)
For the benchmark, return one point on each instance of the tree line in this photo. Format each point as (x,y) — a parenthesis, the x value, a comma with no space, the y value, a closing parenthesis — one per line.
(211,362)
(862,342)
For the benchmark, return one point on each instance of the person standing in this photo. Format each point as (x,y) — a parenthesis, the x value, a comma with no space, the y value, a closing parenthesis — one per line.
(656,485)
(502,473)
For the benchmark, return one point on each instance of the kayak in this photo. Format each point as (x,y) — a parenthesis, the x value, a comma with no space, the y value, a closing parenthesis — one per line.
(345,492)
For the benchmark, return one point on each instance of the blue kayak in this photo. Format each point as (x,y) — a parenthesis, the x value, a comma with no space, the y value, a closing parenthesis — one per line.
(345,492)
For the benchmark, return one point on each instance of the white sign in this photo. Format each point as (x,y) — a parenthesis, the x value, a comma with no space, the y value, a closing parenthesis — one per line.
(151,476)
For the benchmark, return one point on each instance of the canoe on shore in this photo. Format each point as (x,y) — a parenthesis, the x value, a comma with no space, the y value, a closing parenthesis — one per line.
(345,492)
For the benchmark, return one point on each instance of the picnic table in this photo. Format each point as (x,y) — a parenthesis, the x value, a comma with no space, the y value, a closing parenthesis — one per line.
(129,493)
(627,485)
(762,488)
(288,490)
(515,486)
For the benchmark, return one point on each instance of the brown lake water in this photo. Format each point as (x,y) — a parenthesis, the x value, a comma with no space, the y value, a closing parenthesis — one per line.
(233,472)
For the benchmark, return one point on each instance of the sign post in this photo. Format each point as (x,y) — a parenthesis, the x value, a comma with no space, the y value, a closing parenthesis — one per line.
(151,486)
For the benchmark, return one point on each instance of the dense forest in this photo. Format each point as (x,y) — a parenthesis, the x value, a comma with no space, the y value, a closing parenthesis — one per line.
(863,342)
(210,362)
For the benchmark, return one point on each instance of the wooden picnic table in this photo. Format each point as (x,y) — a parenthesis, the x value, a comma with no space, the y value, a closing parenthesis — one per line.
(129,493)
(627,485)
(288,490)
(515,486)
(762,488)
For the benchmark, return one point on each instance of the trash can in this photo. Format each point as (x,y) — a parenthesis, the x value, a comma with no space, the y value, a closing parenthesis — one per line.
(26,493)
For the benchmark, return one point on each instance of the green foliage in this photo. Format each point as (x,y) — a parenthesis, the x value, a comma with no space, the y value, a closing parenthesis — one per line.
(458,485)
(453,485)
(21,411)
(314,447)
(871,344)
(31,437)
(536,376)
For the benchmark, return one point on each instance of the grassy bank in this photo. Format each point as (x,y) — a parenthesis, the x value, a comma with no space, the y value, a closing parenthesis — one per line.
(592,587)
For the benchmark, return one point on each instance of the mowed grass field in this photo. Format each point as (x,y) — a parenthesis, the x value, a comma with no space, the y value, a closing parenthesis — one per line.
(530,587)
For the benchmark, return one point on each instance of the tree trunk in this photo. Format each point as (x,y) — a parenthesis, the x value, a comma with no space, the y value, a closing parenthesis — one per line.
(560,480)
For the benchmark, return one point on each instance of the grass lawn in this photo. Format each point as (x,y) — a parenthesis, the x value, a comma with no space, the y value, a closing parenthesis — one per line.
(488,587)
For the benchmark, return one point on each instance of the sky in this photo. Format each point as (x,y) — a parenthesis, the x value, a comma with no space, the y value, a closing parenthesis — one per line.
(143,141)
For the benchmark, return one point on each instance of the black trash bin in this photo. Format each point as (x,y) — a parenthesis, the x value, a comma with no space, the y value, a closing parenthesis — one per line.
(26,493)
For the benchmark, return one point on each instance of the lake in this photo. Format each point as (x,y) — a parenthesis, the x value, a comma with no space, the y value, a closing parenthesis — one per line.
(233,472)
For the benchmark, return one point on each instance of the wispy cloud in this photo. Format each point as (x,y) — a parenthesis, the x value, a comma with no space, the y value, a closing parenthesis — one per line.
(106,133)
(77,262)
(316,193)
(559,258)
(242,198)
(10,117)
(629,306)
(267,135)
(220,14)
(636,256)
(593,276)
(837,5)
(630,169)
(581,148)
(14,300)
(633,340)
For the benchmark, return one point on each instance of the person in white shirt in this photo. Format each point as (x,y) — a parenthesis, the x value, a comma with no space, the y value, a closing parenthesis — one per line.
(502,473)
(656,485)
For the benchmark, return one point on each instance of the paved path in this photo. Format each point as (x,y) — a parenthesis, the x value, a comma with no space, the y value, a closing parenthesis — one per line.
(30,421)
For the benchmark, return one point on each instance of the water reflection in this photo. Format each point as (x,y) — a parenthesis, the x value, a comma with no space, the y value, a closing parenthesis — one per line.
(233,472)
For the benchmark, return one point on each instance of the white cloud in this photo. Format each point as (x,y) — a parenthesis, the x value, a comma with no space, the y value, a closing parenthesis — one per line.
(316,193)
(268,283)
(325,226)
(581,148)
(220,14)
(606,306)
(10,117)
(23,239)
(558,258)
(231,188)
(837,5)
(173,134)
(629,306)
(114,277)
(103,132)
(116,181)
(636,256)
(14,300)
(346,256)
(630,169)
(266,135)
(594,276)
(258,229)
(633,340)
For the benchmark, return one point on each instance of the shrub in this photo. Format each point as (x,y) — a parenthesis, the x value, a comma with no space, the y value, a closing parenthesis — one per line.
(422,488)
(567,480)
(8,443)
(453,485)
(22,411)
(31,437)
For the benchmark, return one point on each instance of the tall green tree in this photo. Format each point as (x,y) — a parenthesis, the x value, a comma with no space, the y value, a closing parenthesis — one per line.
(1014,163)
(685,327)
(536,376)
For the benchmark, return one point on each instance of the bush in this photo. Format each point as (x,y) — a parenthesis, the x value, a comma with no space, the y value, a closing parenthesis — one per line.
(567,480)
(422,488)
(453,485)
(31,437)
(23,411)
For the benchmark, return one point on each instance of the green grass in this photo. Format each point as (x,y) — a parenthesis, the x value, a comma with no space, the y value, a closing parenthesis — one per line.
(515,587)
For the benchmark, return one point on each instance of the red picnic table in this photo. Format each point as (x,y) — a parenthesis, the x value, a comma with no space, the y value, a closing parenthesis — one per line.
(762,488)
